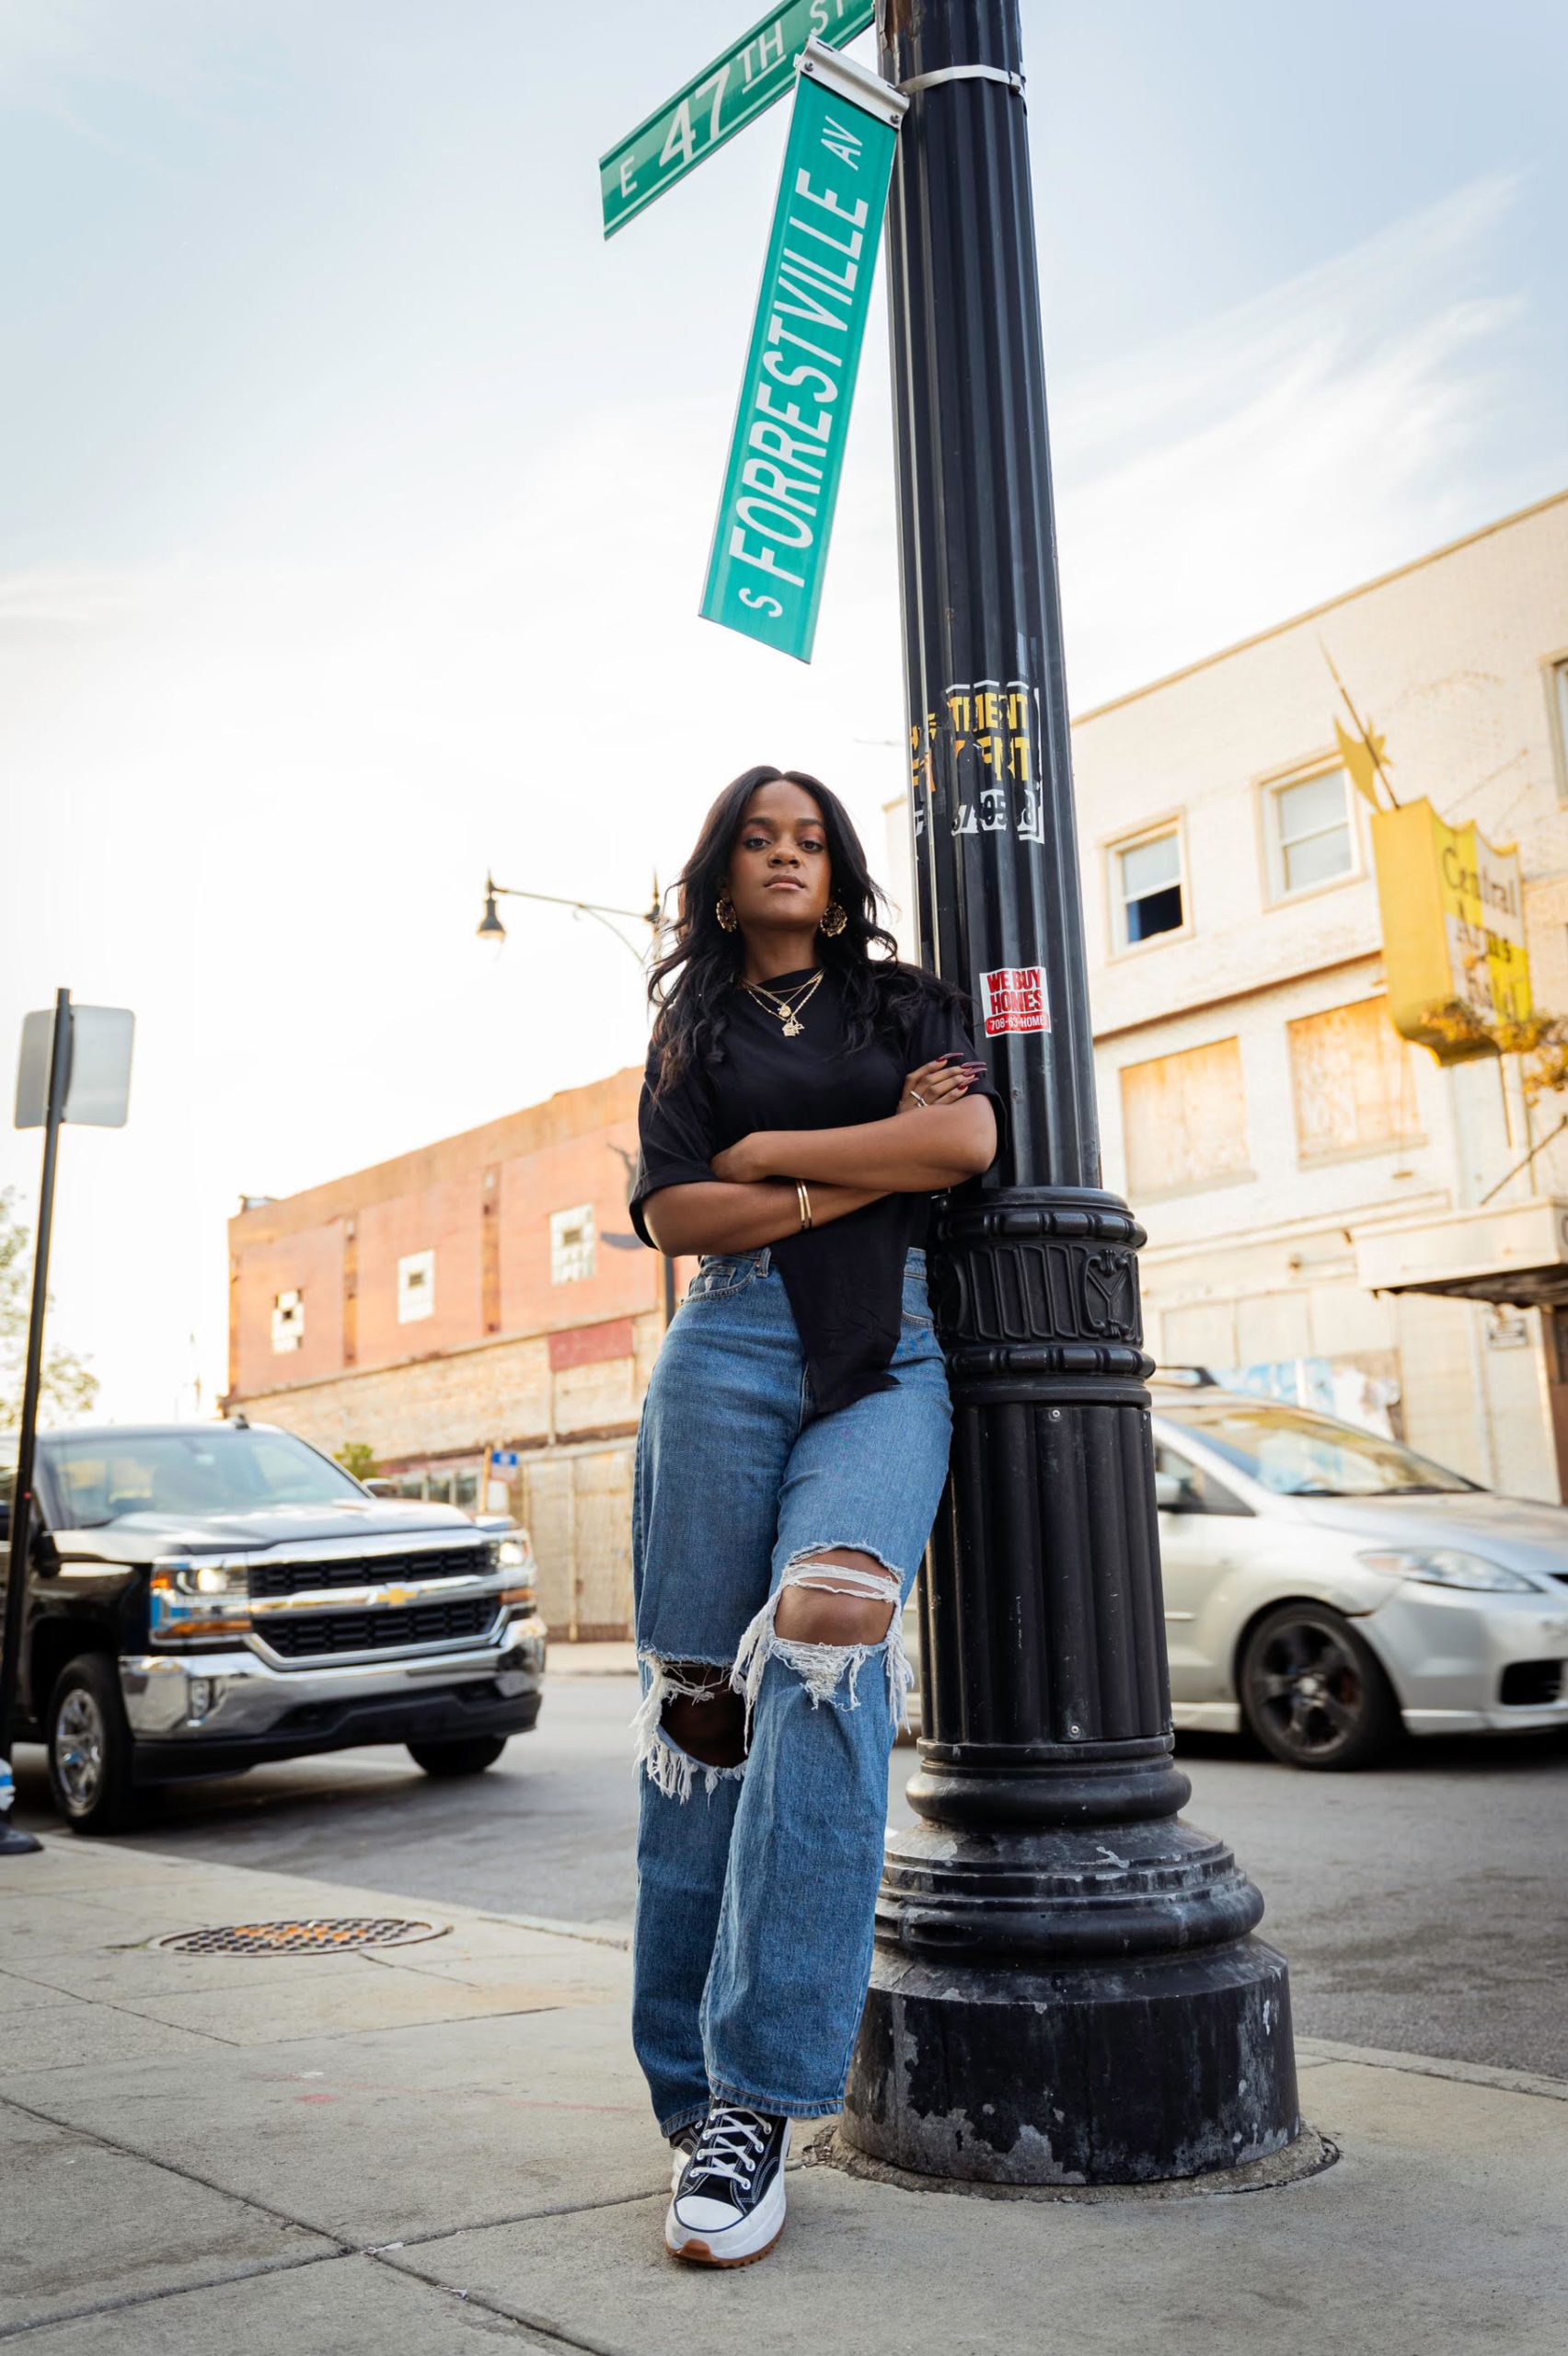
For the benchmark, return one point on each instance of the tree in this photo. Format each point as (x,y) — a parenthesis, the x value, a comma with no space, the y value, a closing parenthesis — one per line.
(69,1386)
(358,1458)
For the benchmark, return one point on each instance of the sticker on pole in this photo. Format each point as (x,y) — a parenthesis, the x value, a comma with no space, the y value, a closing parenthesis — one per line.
(1013,999)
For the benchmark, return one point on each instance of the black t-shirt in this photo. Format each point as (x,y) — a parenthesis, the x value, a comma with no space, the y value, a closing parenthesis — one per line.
(843,1281)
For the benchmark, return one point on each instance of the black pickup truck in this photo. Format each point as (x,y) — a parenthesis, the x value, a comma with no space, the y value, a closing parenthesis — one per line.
(203,1597)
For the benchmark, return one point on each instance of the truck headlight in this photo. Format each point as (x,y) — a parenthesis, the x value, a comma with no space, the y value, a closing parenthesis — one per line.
(512,1554)
(192,1600)
(1447,1567)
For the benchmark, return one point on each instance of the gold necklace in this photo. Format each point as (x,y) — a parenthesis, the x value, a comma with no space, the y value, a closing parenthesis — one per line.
(787,1005)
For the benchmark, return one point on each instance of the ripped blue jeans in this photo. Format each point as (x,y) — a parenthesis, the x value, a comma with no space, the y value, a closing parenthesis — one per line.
(758,1883)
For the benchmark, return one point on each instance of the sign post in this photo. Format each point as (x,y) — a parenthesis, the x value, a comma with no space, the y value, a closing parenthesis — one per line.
(74,1066)
(1065,1986)
(764,575)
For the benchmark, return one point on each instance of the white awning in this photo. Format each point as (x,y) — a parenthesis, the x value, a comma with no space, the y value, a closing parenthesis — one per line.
(1516,1253)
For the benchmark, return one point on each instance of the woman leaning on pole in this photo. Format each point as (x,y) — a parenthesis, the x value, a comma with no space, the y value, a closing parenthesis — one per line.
(806,1095)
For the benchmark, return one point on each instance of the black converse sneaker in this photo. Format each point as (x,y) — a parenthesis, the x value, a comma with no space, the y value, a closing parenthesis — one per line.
(729,2203)
(683,2144)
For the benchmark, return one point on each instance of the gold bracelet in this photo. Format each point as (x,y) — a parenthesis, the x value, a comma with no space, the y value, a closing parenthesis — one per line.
(805,1204)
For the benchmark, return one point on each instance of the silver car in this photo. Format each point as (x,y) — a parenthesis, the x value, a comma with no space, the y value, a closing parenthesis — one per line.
(1323,1583)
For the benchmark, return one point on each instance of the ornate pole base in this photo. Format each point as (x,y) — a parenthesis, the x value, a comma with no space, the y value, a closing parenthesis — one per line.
(1098,2068)
(1067,1989)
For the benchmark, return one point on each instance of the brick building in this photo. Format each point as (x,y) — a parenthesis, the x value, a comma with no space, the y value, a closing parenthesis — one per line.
(486,1292)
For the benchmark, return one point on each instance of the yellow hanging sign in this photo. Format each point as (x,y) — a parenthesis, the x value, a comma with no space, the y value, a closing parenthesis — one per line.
(1453,932)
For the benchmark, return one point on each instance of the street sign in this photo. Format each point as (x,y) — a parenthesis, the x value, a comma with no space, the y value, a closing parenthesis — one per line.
(740,84)
(505,1460)
(98,1051)
(766,571)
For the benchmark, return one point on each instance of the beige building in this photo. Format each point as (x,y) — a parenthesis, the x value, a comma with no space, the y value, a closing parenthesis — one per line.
(1315,1190)
(1295,1161)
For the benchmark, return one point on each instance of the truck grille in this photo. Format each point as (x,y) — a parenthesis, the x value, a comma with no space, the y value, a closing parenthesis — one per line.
(370,1570)
(379,1632)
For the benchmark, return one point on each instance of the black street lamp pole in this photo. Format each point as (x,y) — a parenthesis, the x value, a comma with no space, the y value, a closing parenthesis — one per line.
(491,931)
(1066,1987)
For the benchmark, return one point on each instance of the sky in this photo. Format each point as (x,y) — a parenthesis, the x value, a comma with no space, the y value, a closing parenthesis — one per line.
(356,501)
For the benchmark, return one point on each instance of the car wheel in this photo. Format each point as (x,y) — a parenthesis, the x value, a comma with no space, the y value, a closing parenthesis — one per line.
(459,1758)
(89,1746)
(1313,1691)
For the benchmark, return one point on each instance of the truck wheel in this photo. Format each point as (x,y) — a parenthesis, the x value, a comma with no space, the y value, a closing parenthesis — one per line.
(469,1758)
(1314,1692)
(89,1746)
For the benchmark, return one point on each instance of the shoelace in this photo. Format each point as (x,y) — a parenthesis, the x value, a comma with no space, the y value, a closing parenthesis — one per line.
(731,2145)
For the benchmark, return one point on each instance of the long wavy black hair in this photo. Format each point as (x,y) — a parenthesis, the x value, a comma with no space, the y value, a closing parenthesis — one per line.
(693,983)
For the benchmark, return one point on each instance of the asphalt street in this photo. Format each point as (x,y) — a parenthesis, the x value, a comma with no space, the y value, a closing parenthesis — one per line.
(1424,1907)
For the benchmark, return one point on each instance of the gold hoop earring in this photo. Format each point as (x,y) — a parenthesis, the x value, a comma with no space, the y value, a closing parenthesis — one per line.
(725,909)
(832,920)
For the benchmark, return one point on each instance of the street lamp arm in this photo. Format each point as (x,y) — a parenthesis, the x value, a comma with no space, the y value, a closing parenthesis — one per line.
(492,927)
(589,907)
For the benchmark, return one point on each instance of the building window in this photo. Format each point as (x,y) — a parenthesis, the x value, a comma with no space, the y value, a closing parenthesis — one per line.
(1353,1081)
(1557,686)
(1309,835)
(416,1288)
(1184,1117)
(572,1253)
(288,1320)
(1147,888)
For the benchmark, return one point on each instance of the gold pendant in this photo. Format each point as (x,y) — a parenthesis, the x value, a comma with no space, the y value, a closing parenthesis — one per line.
(792,1029)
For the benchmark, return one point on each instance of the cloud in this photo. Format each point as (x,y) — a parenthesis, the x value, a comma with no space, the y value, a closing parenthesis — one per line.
(1284,448)
(262,775)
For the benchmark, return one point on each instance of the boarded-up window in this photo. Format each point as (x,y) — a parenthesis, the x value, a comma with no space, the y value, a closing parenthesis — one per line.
(1185,1119)
(1353,1081)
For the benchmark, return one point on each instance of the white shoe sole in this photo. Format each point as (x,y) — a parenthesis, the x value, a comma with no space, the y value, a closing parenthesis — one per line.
(738,2244)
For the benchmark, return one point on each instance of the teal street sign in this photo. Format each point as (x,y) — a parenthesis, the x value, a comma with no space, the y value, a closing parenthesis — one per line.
(787,453)
(739,86)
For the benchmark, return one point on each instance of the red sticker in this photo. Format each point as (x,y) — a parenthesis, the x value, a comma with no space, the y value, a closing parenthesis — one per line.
(1014,1000)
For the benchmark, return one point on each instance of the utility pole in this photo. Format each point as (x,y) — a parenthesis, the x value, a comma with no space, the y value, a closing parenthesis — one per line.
(1066,1985)
(19,1561)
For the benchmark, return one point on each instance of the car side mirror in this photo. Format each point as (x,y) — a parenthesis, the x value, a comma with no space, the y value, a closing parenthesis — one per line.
(1171,1493)
(379,1488)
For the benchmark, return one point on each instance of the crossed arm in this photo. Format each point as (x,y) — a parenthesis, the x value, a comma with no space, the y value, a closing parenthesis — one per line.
(753,1199)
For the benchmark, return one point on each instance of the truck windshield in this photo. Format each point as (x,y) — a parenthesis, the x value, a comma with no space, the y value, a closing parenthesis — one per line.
(1299,1454)
(98,1476)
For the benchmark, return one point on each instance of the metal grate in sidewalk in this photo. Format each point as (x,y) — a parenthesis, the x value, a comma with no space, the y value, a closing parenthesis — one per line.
(320,1937)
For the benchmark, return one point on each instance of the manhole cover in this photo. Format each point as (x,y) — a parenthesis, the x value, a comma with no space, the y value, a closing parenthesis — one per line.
(302,1939)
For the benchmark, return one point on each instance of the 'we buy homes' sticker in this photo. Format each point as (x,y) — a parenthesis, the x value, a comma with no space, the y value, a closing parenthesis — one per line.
(1013,999)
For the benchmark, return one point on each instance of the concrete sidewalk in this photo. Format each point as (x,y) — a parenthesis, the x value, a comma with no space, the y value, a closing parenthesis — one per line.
(425,2146)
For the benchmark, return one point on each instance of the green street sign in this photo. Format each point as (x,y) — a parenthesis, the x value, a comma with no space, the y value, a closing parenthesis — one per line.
(739,86)
(787,453)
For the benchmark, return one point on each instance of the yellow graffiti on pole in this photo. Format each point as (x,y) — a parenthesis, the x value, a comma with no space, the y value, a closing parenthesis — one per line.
(1453,932)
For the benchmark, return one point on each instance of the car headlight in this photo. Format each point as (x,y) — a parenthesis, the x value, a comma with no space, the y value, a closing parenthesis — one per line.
(1449,1567)
(194,1600)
